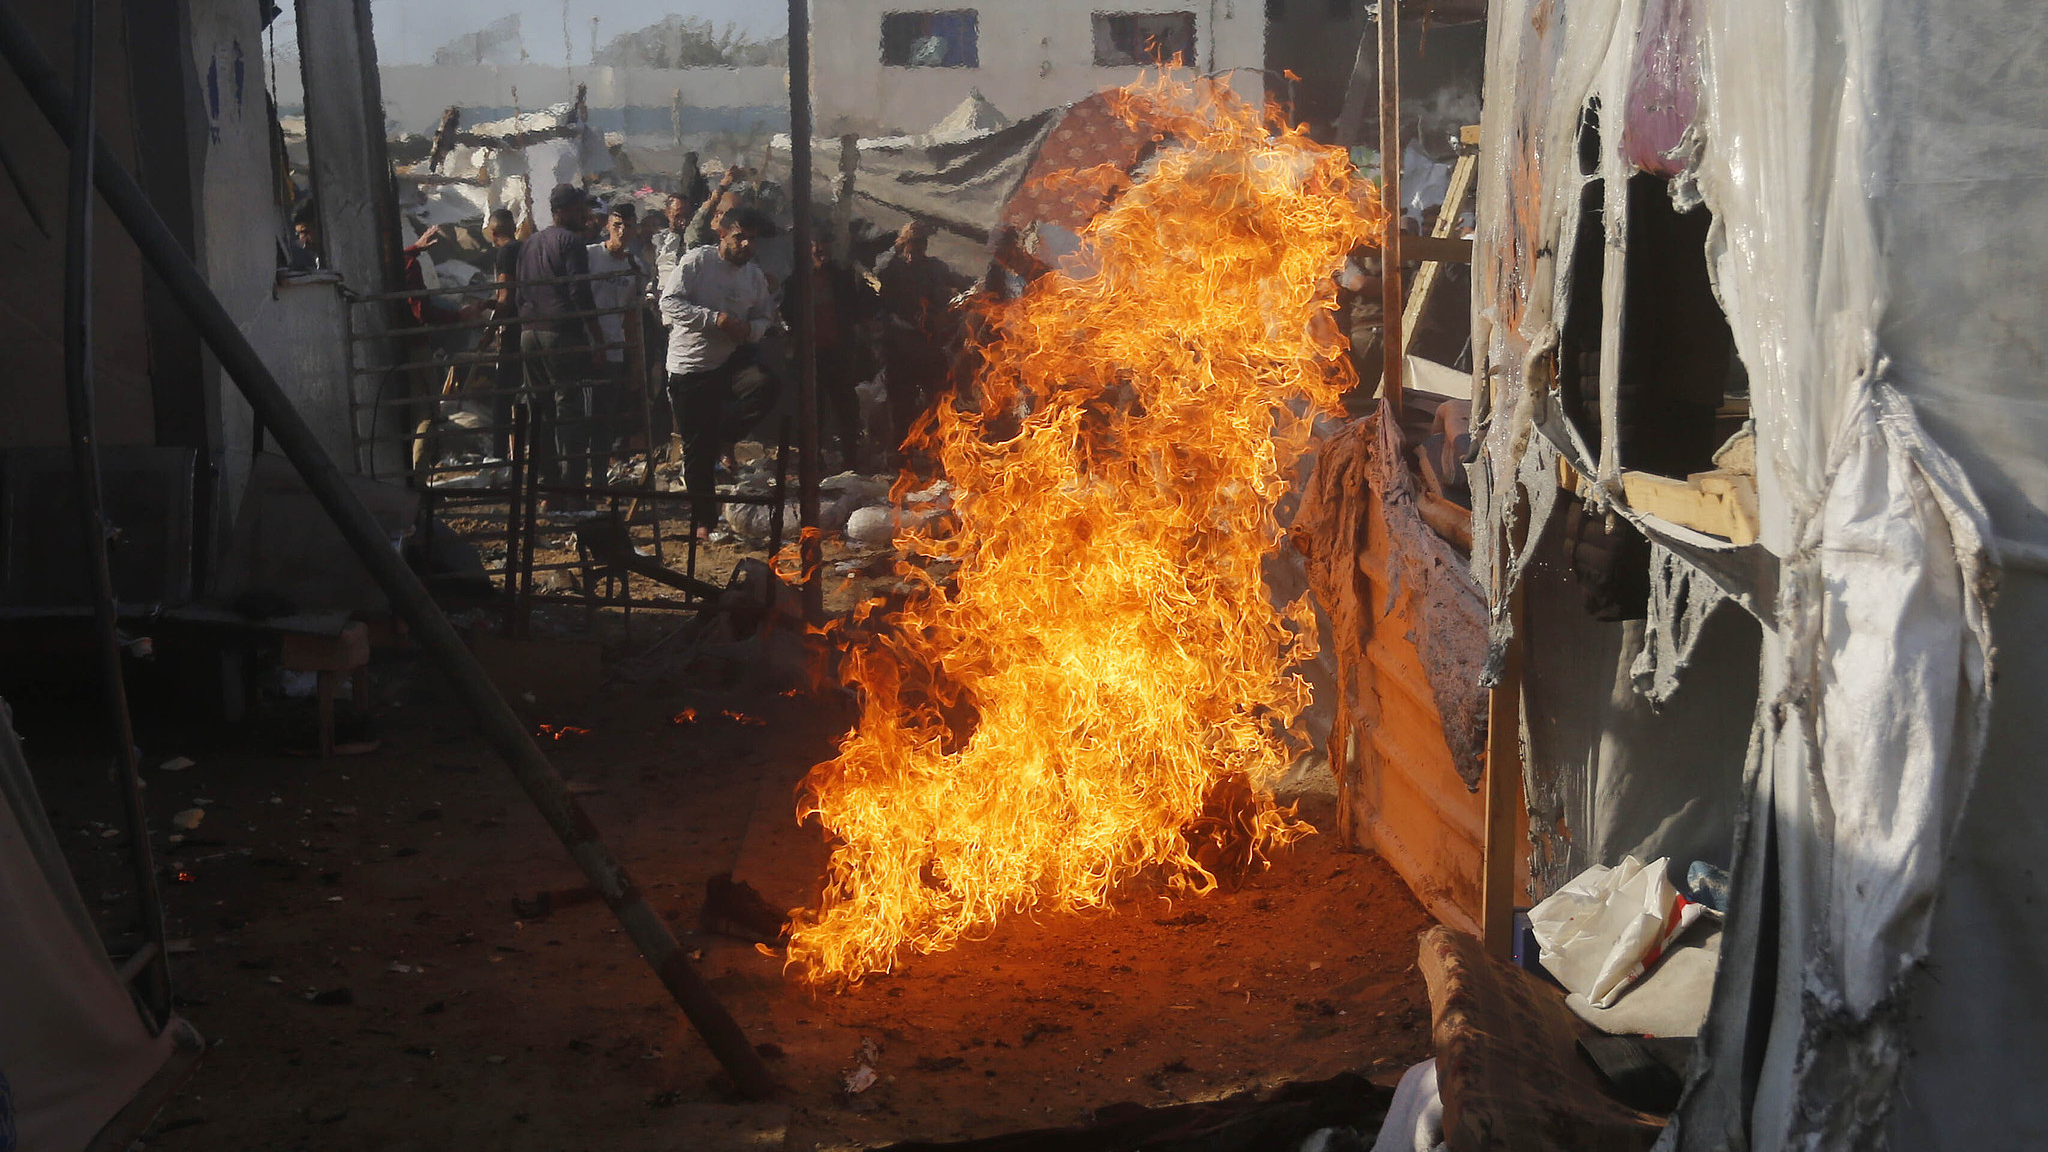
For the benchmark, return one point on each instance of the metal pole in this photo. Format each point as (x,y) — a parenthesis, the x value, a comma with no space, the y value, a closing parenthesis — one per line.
(85,461)
(810,547)
(430,629)
(1391,336)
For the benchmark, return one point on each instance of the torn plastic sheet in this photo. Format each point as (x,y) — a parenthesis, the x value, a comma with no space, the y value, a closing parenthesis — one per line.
(1828,140)
(1681,599)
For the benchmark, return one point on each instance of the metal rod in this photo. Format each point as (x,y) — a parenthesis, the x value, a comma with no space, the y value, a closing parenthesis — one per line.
(801,288)
(1391,336)
(93,523)
(430,629)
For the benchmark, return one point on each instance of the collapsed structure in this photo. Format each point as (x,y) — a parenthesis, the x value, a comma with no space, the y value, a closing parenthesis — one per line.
(1819,669)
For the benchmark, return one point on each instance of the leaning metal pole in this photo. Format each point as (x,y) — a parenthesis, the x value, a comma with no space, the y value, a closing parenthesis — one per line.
(85,461)
(801,287)
(430,629)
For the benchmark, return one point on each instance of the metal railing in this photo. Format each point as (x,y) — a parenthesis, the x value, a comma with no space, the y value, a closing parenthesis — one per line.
(567,493)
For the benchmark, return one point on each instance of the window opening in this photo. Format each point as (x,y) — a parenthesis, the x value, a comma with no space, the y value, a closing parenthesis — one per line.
(1578,345)
(1124,39)
(931,39)
(1678,362)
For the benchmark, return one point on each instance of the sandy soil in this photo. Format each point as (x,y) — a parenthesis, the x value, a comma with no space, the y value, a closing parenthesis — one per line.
(393,875)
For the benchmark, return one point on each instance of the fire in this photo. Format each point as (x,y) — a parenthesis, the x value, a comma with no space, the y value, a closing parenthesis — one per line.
(560,731)
(1106,660)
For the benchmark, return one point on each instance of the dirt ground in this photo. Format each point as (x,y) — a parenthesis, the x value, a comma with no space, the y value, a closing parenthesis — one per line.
(357,964)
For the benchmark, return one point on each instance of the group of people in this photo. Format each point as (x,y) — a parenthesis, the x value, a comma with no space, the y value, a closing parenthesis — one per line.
(712,309)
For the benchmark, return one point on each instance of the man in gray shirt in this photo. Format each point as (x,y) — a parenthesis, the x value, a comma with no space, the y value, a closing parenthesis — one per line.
(719,306)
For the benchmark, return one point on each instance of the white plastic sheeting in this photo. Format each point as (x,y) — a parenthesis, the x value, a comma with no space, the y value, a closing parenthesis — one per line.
(1880,248)
(73,1048)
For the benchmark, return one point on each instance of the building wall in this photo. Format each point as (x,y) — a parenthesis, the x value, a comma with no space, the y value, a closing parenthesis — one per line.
(32,406)
(295,327)
(714,98)
(1034,55)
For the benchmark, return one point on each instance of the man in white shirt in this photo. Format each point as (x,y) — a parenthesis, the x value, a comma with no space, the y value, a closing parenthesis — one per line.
(719,306)
(605,399)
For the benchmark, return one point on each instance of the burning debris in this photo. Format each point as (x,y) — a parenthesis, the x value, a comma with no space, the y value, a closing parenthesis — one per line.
(1048,722)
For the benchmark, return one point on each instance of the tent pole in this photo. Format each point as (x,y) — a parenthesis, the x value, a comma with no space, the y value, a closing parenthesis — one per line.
(95,529)
(810,546)
(430,629)
(1503,784)
(1391,336)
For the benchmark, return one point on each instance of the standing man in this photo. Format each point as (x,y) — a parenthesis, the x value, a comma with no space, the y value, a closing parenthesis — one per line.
(917,294)
(842,304)
(505,245)
(702,231)
(668,244)
(562,352)
(609,398)
(719,306)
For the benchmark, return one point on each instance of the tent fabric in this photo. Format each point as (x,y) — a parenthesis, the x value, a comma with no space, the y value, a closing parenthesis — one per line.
(961,185)
(73,1047)
(1873,168)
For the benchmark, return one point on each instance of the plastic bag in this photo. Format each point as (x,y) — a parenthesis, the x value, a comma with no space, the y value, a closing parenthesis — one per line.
(1599,932)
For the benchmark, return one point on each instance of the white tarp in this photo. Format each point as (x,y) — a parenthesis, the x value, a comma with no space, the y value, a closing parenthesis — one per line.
(1875,169)
(73,1049)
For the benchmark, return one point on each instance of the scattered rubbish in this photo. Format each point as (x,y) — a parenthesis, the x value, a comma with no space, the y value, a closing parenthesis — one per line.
(1708,884)
(862,1076)
(1599,932)
(176,764)
(859,1080)
(737,910)
(182,947)
(109,833)
(188,819)
(395,966)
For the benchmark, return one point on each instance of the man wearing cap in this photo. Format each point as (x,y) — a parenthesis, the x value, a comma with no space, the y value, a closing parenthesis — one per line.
(719,306)
(564,354)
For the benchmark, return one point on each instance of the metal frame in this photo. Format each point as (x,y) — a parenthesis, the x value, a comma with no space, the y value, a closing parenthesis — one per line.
(605,579)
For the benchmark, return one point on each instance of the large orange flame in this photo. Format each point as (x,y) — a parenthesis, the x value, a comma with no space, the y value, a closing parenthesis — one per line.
(1051,721)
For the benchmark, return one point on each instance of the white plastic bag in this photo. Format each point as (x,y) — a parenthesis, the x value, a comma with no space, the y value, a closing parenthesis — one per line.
(1599,932)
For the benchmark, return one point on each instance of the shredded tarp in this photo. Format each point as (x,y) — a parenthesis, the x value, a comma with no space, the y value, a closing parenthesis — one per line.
(1873,170)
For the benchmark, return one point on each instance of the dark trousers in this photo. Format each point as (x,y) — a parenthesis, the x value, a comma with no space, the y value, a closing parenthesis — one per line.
(713,409)
(571,428)
(838,375)
(917,377)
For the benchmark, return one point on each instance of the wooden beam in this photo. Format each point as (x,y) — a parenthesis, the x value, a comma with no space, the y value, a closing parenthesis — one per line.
(1392,335)
(1438,246)
(1719,503)
(1503,786)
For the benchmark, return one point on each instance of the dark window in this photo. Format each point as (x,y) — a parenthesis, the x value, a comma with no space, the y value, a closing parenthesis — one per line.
(1126,38)
(931,39)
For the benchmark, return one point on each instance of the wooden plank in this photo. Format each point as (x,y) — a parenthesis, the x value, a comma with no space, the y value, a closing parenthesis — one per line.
(1431,249)
(1718,503)
(1503,789)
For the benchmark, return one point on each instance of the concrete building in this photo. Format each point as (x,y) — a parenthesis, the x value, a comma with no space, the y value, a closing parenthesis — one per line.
(879,68)
(183,105)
